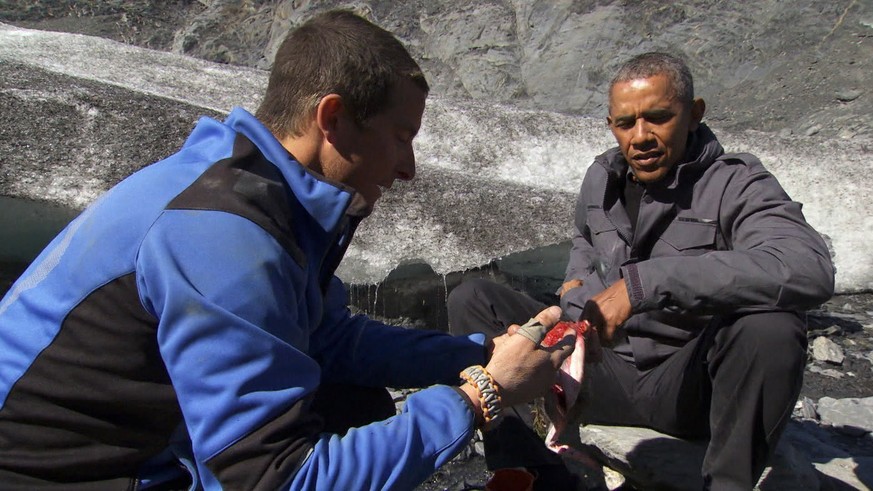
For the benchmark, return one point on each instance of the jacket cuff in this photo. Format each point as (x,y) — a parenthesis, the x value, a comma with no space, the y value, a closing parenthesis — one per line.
(573,302)
(634,283)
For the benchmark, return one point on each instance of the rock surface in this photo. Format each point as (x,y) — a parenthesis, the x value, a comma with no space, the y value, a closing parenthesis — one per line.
(825,350)
(808,458)
(651,460)
(791,76)
(465,162)
(797,67)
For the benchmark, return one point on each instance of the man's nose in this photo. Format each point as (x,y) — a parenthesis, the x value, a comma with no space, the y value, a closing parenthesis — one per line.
(406,170)
(642,134)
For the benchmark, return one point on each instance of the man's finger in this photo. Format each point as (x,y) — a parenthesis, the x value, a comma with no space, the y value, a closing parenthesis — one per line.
(592,347)
(570,285)
(533,330)
(536,328)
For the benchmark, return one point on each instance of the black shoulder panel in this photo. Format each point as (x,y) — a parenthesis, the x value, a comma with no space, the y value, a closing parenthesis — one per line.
(95,404)
(248,185)
(265,458)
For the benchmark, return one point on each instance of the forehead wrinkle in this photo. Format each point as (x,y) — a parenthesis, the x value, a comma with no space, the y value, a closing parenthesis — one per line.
(643,83)
(662,107)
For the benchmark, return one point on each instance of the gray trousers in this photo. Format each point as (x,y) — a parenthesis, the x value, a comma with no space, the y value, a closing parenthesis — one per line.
(734,385)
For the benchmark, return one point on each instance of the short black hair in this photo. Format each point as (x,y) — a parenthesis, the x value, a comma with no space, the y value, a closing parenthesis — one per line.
(336,52)
(657,63)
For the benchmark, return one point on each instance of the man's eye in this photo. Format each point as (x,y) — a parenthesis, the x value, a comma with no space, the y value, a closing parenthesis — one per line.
(624,124)
(659,118)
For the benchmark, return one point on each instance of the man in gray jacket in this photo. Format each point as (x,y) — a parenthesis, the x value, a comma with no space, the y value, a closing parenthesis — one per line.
(695,267)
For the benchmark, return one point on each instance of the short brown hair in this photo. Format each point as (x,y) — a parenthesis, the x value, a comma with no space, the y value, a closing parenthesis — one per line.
(336,52)
(655,63)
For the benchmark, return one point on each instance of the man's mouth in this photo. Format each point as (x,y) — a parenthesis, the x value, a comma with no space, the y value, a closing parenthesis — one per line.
(647,158)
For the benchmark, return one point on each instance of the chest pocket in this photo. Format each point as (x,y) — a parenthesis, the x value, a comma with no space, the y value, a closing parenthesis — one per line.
(598,223)
(609,247)
(687,237)
(604,235)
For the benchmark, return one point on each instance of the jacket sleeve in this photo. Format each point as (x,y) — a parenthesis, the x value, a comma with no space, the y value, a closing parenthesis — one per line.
(226,295)
(583,257)
(776,259)
(396,454)
(358,350)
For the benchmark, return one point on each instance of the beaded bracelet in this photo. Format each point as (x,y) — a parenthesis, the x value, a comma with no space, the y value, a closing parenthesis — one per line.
(489,397)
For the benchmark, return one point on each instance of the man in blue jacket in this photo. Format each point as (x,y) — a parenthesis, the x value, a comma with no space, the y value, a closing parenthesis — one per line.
(695,267)
(182,327)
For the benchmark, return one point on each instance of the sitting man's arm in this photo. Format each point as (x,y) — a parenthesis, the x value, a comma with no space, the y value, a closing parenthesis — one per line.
(777,261)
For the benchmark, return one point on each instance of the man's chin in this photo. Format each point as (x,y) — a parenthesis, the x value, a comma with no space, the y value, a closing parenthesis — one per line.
(647,176)
(361,205)
(368,207)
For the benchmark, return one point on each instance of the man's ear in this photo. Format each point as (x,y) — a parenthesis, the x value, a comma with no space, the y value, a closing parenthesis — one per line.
(329,116)
(698,108)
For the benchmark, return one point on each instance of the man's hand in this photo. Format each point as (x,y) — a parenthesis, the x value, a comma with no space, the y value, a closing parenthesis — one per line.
(524,370)
(569,285)
(608,310)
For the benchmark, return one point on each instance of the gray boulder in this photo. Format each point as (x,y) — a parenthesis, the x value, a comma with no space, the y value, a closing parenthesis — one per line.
(804,460)
(494,180)
(853,416)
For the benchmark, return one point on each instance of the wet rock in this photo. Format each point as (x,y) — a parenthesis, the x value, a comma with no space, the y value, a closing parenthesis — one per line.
(852,416)
(651,460)
(613,479)
(848,95)
(837,468)
(479,447)
(830,331)
(829,372)
(808,457)
(825,350)
(646,458)
(805,409)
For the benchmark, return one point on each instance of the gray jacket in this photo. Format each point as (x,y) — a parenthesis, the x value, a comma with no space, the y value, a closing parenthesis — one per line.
(717,236)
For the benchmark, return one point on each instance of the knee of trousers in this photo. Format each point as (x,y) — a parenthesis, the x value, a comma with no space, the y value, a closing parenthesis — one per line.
(469,295)
(776,340)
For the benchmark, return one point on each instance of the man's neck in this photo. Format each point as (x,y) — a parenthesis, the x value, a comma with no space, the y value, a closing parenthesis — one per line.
(305,149)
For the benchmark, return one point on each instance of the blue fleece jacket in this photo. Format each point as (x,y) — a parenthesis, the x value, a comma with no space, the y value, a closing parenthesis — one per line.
(195,303)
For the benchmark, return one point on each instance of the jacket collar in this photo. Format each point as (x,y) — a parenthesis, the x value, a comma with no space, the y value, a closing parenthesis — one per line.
(702,150)
(326,201)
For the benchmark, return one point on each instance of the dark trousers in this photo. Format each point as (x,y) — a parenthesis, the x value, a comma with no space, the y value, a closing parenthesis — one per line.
(735,384)
(344,406)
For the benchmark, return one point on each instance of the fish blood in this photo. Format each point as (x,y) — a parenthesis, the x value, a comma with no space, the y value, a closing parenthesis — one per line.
(560,329)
